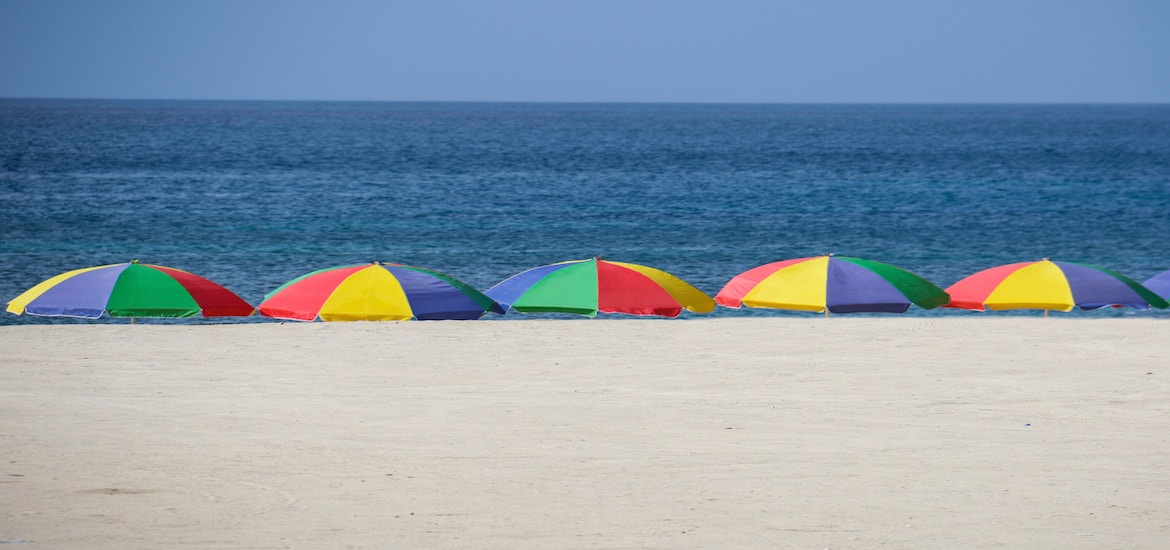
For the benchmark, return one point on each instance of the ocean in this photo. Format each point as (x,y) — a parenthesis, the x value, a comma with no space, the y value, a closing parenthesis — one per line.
(252,194)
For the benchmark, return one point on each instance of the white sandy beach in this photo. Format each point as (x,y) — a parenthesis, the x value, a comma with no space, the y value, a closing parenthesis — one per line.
(954,432)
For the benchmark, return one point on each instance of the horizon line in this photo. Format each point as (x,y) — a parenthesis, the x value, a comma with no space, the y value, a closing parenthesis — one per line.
(580,102)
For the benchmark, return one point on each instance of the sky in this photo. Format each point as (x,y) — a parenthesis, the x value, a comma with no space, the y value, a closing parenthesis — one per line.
(718,51)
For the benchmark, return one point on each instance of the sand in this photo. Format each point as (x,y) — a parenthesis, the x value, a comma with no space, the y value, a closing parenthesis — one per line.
(950,432)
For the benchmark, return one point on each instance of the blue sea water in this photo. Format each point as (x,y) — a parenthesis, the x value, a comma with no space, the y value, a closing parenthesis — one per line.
(252,194)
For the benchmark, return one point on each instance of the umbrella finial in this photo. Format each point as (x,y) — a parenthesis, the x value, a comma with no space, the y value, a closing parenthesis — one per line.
(134,261)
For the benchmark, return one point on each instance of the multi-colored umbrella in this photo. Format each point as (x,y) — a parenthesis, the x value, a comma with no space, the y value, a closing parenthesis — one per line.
(586,287)
(129,290)
(1159,284)
(831,284)
(376,292)
(1049,285)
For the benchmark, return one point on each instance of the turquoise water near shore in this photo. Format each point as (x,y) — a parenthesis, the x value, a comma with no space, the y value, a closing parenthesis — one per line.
(252,194)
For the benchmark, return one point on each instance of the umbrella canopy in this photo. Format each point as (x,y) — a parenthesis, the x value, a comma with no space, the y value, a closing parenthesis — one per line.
(376,292)
(586,287)
(1049,285)
(831,284)
(129,290)
(1159,284)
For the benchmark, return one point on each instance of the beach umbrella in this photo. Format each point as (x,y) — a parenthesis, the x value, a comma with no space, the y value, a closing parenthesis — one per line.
(376,292)
(830,284)
(586,287)
(1050,285)
(129,290)
(1159,284)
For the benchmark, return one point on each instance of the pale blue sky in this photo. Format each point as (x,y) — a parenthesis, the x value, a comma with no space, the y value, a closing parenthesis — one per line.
(589,50)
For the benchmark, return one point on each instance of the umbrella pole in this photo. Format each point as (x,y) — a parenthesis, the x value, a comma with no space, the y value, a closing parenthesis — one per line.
(131,320)
(826,313)
(1046,314)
